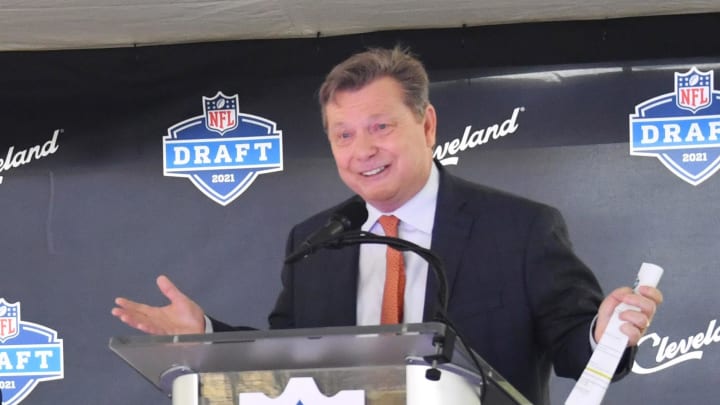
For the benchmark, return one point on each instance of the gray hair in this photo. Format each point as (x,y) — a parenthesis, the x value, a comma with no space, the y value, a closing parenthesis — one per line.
(362,68)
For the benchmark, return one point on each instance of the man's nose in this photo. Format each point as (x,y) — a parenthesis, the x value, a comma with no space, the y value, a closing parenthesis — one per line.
(365,146)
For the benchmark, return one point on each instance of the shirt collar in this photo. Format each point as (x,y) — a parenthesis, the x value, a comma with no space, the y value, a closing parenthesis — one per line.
(418,212)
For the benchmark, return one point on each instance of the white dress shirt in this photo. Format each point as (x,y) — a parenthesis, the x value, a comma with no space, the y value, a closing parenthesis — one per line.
(416,225)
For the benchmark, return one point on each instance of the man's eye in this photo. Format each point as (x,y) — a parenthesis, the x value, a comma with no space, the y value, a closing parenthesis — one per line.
(343,137)
(381,127)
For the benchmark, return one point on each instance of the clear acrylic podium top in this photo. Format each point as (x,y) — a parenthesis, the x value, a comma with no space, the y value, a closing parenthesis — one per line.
(333,347)
(162,358)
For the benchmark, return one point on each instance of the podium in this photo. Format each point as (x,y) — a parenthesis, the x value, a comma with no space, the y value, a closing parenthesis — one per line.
(385,364)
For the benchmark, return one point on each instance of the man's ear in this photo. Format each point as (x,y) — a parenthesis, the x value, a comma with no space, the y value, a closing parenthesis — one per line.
(430,125)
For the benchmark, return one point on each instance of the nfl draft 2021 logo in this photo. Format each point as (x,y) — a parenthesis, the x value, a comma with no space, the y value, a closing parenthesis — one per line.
(29,353)
(222,151)
(681,128)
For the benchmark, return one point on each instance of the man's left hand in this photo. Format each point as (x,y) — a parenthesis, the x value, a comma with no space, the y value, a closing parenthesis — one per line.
(636,322)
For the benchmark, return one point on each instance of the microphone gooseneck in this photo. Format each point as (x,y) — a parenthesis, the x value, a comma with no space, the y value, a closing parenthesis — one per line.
(353,236)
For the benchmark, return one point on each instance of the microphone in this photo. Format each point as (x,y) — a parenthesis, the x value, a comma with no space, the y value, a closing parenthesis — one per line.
(349,216)
(343,229)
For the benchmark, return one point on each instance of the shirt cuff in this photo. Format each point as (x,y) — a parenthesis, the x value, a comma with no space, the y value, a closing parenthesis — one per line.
(209,327)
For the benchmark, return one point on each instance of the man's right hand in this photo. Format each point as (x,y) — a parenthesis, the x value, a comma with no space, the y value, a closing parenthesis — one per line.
(181,316)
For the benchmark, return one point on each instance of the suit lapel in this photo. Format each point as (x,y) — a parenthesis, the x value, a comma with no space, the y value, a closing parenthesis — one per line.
(326,284)
(351,270)
(451,232)
(346,262)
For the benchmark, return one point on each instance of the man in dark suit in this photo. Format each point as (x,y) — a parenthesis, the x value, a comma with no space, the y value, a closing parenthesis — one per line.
(518,294)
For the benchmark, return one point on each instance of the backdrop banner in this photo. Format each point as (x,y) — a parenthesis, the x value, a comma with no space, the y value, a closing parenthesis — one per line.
(117,166)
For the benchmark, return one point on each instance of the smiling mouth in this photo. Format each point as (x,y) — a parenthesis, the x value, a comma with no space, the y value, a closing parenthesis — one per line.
(373,172)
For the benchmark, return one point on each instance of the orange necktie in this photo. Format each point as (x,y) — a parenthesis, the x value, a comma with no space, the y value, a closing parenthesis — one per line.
(394,292)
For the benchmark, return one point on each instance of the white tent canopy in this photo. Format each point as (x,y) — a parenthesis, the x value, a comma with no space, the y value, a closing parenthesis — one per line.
(77,24)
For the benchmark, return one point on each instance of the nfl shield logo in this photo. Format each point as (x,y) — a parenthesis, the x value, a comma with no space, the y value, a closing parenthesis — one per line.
(221,113)
(693,89)
(223,151)
(9,320)
(682,128)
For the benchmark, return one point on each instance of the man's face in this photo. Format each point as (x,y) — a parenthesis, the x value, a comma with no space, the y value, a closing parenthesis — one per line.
(383,151)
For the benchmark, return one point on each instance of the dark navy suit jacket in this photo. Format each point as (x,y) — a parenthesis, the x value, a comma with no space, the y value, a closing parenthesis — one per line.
(518,294)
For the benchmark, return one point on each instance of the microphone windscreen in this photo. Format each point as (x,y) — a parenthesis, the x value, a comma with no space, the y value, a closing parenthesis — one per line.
(352,214)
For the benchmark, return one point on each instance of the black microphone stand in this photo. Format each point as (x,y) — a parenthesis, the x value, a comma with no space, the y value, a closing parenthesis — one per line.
(444,344)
